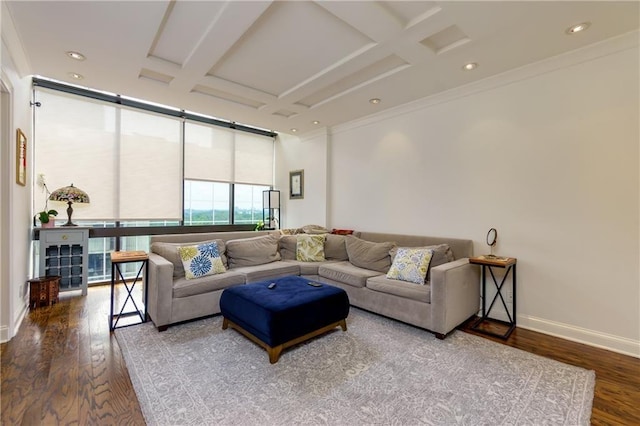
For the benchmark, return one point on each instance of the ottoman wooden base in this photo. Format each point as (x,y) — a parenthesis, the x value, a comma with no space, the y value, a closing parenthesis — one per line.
(274,353)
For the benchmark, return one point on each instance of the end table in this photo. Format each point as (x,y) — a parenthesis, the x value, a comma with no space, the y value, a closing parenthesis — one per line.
(487,263)
(119,258)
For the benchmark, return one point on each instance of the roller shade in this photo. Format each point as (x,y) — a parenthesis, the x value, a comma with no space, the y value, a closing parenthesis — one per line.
(225,155)
(129,162)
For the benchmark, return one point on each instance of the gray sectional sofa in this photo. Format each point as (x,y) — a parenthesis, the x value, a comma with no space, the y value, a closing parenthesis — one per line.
(357,263)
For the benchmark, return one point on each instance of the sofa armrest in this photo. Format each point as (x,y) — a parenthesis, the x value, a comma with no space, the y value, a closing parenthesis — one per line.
(160,291)
(455,294)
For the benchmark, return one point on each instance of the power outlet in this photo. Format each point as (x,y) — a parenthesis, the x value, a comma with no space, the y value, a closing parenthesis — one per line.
(508,295)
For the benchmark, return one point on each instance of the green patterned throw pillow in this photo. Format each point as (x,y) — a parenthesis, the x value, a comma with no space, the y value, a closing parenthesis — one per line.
(310,248)
(410,264)
(200,260)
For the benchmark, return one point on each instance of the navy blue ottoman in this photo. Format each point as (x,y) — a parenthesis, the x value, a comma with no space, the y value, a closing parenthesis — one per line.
(285,315)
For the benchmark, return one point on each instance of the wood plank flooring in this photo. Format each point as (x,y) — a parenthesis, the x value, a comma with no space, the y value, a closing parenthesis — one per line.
(64,367)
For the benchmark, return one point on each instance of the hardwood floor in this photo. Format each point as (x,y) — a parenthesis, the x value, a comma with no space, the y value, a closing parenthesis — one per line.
(64,367)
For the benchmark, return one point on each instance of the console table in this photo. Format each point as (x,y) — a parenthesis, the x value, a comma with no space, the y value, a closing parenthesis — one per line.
(119,258)
(487,263)
(64,253)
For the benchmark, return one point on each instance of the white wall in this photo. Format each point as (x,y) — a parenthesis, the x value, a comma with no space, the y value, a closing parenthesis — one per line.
(549,157)
(308,153)
(16,217)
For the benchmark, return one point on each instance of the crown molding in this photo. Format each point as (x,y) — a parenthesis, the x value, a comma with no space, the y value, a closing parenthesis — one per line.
(313,134)
(588,53)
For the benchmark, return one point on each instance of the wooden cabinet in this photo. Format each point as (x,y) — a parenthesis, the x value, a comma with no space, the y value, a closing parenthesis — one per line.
(64,252)
(43,291)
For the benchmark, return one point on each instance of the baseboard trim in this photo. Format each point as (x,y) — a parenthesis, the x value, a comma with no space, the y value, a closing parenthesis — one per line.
(581,335)
(4,334)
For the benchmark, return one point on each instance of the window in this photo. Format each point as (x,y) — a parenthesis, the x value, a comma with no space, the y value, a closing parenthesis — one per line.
(141,165)
(248,203)
(219,162)
(209,203)
(206,203)
(145,165)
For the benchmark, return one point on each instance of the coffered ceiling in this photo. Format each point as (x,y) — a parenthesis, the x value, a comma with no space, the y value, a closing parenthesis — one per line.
(301,65)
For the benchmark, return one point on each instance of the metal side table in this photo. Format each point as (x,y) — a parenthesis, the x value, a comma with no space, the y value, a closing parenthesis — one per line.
(119,258)
(487,263)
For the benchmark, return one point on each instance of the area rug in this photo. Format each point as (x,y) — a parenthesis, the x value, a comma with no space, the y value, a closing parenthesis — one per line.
(379,371)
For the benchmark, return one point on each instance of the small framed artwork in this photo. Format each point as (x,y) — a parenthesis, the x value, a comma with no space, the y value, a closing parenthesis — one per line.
(21,158)
(296,184)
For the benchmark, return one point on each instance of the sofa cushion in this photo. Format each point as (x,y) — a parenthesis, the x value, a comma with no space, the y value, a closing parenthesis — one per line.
(382,284)
(170,252)
(287,246)
(335,247)
(309,268)
(368,255)
(252,251)
(442,254)
(310,248)
(410,264)
(182,287)
(200,260)
(268,271)
(347,273)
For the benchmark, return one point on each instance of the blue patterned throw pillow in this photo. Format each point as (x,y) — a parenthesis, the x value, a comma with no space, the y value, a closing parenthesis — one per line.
(410,264)
(200,260)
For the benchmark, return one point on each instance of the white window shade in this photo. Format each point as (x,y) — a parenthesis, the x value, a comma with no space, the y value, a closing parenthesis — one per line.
(150,185)
(225,155)
(254,159)
(75,142)
(208,153)
(129,163)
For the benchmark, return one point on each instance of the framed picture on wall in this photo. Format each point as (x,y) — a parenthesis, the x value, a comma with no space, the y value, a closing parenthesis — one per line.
(21,158)
(296,184)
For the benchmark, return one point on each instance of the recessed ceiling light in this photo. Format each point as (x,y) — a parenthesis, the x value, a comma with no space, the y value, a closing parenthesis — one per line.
(374,101)
(470,66)
(294,130)
(578,28)
(76,55)
(76,76)
(315,122)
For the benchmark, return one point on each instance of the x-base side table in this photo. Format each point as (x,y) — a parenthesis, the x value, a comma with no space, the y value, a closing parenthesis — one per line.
(487,263)
(119,258)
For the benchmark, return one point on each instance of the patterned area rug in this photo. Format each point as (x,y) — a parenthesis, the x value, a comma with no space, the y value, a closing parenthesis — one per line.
(379,371)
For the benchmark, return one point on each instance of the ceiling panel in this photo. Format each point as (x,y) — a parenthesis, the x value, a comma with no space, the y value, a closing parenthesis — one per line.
(407,11)
(286,46)
(174,40)
(209,91)
(446,39)
(363,75)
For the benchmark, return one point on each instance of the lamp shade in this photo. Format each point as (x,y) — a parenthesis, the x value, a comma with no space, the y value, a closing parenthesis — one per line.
(271,199)
(69,194)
